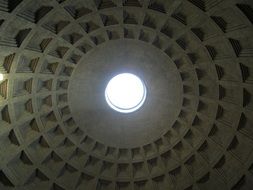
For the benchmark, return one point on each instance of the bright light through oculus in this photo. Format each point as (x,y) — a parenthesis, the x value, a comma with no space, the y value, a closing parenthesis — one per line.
(125,93)
(1,77)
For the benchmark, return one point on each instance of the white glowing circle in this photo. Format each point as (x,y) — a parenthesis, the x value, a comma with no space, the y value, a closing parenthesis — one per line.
(125,93)
(1,77)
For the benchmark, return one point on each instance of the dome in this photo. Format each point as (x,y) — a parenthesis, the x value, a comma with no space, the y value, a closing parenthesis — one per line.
(182,113)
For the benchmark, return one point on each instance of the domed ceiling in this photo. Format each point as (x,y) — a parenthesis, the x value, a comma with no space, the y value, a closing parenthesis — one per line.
(193,132)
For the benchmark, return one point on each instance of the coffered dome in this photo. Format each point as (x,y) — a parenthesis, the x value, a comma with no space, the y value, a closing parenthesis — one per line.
(193,130)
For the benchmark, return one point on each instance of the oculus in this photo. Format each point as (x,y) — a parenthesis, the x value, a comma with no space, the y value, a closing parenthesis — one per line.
(125,93)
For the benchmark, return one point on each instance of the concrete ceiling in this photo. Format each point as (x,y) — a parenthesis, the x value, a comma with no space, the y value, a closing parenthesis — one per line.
(194,132)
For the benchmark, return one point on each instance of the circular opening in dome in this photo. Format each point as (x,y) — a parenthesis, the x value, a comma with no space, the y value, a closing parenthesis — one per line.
(125,93)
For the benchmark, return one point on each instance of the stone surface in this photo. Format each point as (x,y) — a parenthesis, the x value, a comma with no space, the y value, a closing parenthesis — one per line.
(98,120)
